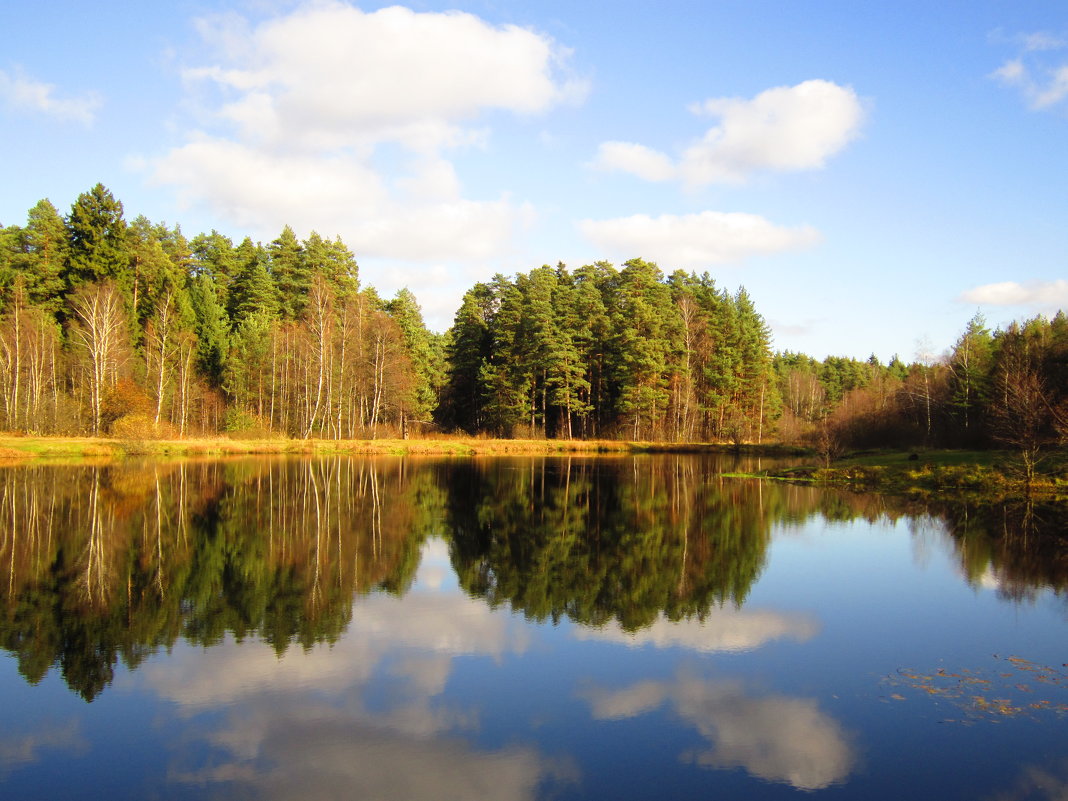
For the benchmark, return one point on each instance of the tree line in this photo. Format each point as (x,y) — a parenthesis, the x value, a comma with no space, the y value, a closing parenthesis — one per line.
(1005,388)
(603,353)
(131,329)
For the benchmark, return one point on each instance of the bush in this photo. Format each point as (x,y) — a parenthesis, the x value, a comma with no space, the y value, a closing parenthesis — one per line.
(138,426)
(243,424)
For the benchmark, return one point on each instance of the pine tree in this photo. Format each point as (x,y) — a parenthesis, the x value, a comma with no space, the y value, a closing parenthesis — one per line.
(643,320)
(426,359)
(98,243)
(969,366)
(252,290)
(290,272)
(44,255)
(335,262)
(467,348)
(214,256)
(211,327)
(757,398)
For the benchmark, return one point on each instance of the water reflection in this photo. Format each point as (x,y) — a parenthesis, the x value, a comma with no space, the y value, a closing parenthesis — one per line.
(1037,783)
(20,749)
(774,737)
(1019,548)
(106,565)
(310,724)
(111,563)
(600,541)
(728,630)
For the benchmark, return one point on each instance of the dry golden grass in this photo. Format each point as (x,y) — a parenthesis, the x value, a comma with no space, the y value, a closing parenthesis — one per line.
(20,447)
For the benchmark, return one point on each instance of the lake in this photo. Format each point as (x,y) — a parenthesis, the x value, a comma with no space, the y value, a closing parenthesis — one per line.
(607,627)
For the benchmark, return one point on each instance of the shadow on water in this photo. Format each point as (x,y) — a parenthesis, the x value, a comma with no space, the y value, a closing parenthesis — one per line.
(102,565)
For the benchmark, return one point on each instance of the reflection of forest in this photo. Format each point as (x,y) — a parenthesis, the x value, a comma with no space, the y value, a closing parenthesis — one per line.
(626,540)
(102,564)
(109,563)
(606,539)
(1020,547)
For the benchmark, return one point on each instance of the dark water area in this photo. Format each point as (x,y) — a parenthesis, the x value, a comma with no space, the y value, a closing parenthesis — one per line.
(522,628)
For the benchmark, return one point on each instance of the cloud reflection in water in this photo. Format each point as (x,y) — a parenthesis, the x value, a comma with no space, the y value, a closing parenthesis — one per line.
(774,737)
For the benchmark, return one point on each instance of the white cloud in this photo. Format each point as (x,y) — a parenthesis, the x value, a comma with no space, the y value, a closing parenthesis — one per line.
(725,630)
(776,738)
(637,159)
(304,110)
(1042,82)
(786,128)
(328,71)
(23,92)
(694,241)
(1043,296)
(1042,41)
(1039,94)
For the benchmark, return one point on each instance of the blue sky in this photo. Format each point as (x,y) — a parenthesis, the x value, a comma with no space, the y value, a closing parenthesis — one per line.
(874,174)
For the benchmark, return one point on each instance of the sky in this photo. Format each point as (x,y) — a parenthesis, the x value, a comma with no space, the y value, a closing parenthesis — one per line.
(873,174)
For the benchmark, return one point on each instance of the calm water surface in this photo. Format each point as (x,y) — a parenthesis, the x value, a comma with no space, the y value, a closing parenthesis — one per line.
(617,628)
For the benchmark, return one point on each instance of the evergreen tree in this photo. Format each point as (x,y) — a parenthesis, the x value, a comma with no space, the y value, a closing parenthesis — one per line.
(644,322)
(467,348)
(506,374)
(335,262)
(211,327)
(425,357)
(569,384)
(98,243)
(590,325)
(43,255)
(969,366)
(214,256)
(153,273)
(252,290)
(290,272)
(757,397)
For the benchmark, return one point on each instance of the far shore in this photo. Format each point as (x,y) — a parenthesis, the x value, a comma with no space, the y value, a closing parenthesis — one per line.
(990,474)
(17,448)
(986,475)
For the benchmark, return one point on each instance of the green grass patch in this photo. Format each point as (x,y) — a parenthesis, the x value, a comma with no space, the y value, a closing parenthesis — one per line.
(942,473)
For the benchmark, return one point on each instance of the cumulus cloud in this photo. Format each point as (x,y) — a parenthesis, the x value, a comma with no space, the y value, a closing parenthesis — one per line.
(726,630)
(777,738)
(303,111)
(24,93)
(639,160)
(1041,296)
(329,74)
(1039,76)
(786,128)
(693,241)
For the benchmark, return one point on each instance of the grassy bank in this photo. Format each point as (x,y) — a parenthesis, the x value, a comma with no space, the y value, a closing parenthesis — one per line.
(991,474)
(22,448)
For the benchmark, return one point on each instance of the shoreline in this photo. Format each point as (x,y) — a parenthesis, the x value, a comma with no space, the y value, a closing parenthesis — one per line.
(945,474)
(21,449)
(989,474)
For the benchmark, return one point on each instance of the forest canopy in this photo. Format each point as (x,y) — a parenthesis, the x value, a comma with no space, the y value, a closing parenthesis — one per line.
(128,328)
